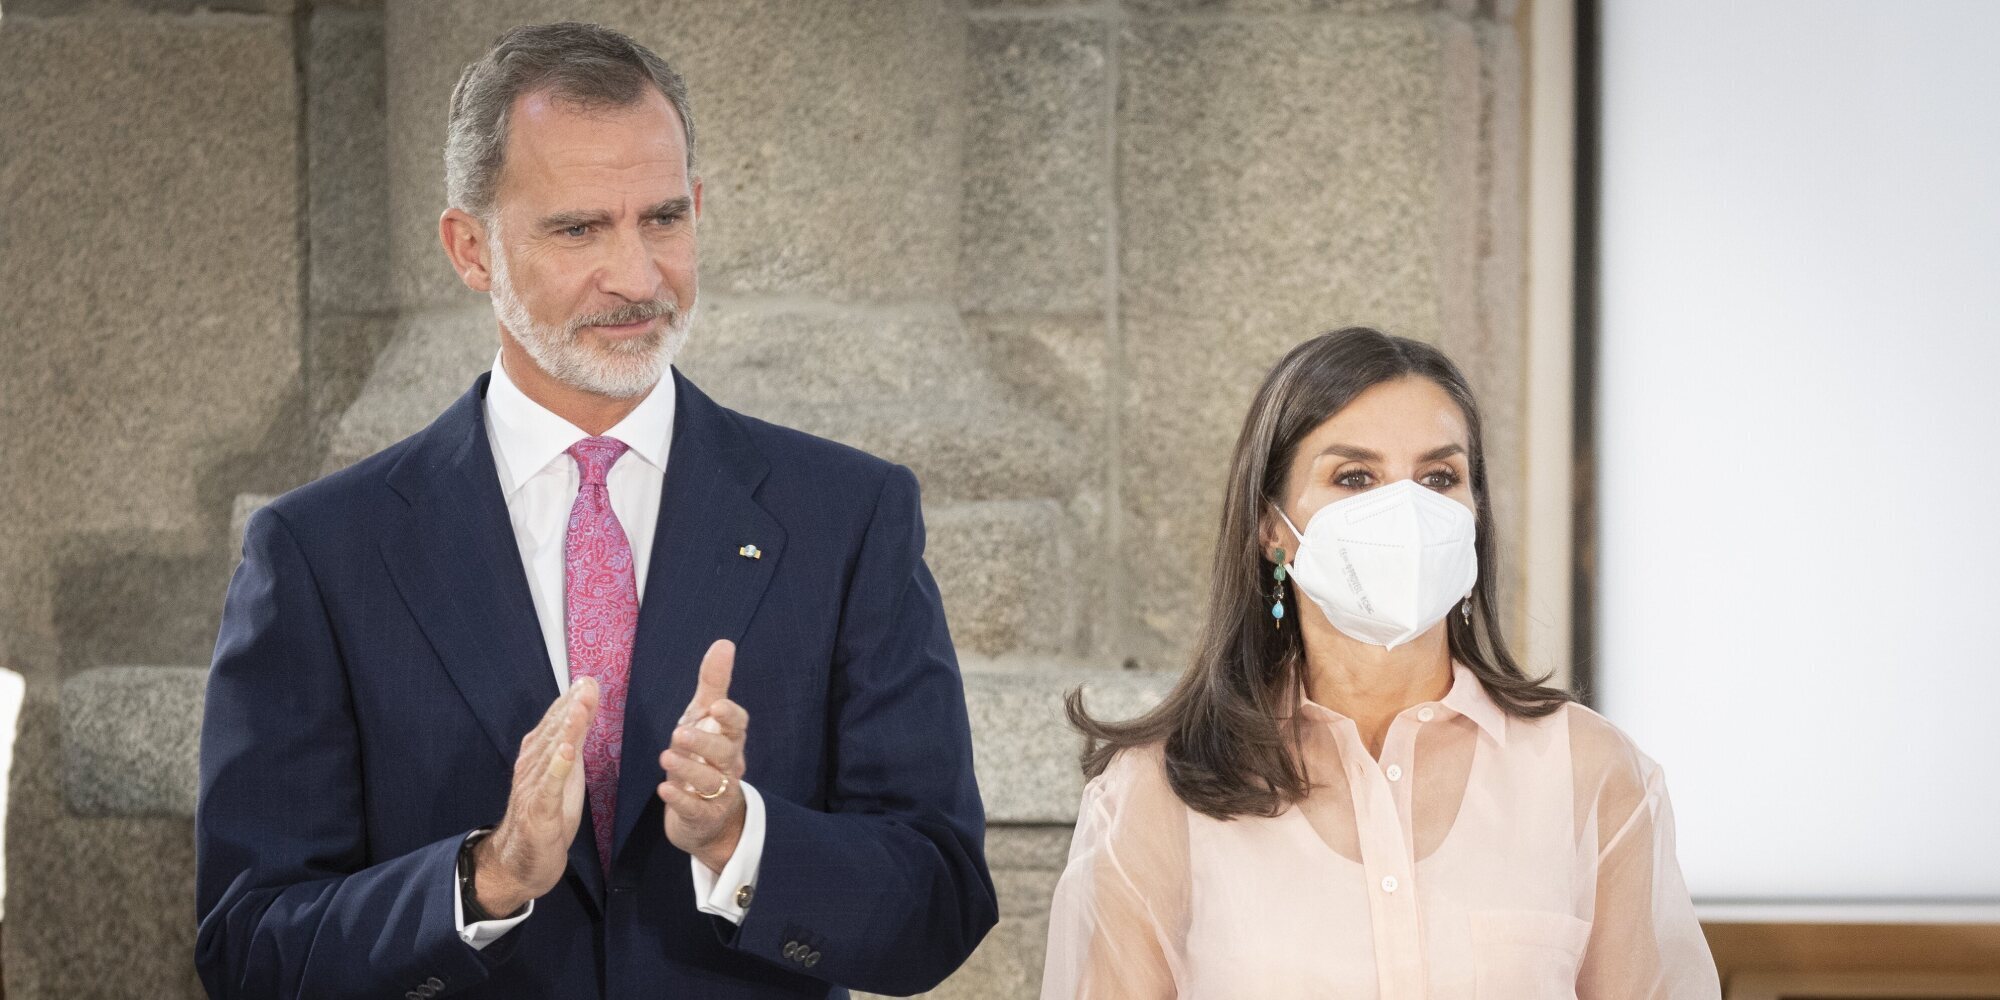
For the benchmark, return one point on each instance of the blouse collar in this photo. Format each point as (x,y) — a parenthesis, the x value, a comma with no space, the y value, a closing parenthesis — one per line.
(1467,697)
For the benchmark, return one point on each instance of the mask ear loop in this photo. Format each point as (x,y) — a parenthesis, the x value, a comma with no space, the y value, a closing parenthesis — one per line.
(1296,533)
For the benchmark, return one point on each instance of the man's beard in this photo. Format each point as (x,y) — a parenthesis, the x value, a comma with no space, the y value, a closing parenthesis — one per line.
(620,369)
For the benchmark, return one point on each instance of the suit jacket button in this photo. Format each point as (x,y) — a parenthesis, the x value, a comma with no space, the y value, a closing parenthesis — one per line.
(812,959)
(434,983)
(791,949)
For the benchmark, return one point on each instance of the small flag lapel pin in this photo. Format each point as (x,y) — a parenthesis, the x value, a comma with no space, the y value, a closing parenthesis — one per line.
(750,552)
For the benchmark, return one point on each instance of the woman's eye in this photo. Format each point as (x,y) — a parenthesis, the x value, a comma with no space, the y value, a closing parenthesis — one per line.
(1352,480)
(1440,480)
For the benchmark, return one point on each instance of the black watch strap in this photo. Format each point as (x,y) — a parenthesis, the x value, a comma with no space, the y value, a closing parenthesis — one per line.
(468,899)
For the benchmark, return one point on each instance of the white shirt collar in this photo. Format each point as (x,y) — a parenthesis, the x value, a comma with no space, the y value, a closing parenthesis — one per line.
(528,436)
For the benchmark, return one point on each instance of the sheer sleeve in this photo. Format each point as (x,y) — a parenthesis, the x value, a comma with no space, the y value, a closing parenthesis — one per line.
(1645,943)
(1119,919)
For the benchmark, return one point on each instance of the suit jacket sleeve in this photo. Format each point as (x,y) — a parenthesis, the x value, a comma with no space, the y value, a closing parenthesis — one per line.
(288,899)
(887,888)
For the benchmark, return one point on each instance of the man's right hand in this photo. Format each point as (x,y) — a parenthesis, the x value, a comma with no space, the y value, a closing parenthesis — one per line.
(526,855)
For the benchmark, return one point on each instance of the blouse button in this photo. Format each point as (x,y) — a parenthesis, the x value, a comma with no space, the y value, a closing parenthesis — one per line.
(1389,883)
(1395,772)
(1426,714)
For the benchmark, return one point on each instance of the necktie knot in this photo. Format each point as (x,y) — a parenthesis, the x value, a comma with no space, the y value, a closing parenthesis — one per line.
(594,457)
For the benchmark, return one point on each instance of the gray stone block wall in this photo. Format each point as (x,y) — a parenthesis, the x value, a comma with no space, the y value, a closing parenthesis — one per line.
(350,314)
(151,259)
(97,906)
(1278,177)
(73,8)
(1037,189)
(131,739)
(1024,749)
(1038,250)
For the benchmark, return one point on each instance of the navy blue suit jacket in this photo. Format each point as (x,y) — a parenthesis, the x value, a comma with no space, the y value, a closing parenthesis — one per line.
(380,660)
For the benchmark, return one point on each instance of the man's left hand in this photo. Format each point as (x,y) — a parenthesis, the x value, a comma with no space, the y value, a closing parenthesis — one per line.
(707,754)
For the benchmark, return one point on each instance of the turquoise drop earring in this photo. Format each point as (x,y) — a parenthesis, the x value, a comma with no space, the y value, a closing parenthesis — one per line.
(1278,587)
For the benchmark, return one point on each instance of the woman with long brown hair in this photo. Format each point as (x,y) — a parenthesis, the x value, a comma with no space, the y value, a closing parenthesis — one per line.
(1355,790)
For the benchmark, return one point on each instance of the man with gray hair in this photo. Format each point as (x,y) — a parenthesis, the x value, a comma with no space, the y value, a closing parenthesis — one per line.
(479,719)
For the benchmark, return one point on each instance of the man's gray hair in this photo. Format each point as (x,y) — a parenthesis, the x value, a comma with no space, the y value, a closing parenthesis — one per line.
(587,65)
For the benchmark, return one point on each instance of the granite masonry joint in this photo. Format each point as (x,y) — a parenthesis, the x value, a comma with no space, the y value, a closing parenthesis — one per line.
(1059,12)
(1279,17)
(19,14)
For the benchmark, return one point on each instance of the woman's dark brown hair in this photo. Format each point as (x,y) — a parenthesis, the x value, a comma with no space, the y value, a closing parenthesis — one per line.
(1230,748)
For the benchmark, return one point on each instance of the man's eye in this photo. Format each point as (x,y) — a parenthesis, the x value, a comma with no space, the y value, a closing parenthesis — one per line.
(667,218)
(577,231)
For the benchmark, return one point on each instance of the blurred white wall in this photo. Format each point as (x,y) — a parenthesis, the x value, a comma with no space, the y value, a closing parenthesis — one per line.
(1799,396)
(12,689)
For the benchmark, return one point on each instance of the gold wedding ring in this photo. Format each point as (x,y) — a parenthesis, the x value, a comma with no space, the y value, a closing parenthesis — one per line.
(714,794)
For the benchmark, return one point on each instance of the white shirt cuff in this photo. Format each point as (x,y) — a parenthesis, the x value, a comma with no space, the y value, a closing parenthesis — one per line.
(485,932)
(717,894)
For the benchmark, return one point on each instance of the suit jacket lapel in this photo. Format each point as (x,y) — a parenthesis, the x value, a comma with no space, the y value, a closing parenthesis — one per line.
(458,568)
(699,587)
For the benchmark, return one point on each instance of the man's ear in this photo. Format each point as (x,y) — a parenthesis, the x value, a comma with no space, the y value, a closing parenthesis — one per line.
(465,243)
(697,202)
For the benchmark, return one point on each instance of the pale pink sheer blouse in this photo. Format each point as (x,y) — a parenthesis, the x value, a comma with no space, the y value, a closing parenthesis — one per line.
(1483,856)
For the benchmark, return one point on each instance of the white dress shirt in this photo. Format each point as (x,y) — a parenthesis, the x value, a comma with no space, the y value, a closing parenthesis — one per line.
(539,481)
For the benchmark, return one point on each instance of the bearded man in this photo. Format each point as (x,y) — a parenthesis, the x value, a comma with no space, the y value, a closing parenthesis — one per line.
(592,688)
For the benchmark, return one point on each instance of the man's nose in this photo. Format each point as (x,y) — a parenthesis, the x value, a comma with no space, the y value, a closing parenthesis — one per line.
(628,269)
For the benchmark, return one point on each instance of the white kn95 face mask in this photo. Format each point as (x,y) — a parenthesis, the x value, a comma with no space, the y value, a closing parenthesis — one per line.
(1388,564)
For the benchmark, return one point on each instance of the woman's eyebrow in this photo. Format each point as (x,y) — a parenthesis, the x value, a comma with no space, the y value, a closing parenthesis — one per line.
(1364,455)
(1350,451)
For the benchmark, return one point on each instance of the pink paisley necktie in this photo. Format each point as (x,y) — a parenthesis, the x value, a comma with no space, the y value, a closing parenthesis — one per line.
(601,609)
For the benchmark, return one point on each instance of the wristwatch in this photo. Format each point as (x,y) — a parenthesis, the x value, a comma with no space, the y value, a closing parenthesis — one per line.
(467,898)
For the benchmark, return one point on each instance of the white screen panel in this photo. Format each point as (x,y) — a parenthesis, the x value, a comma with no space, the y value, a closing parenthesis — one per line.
(1799,401)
